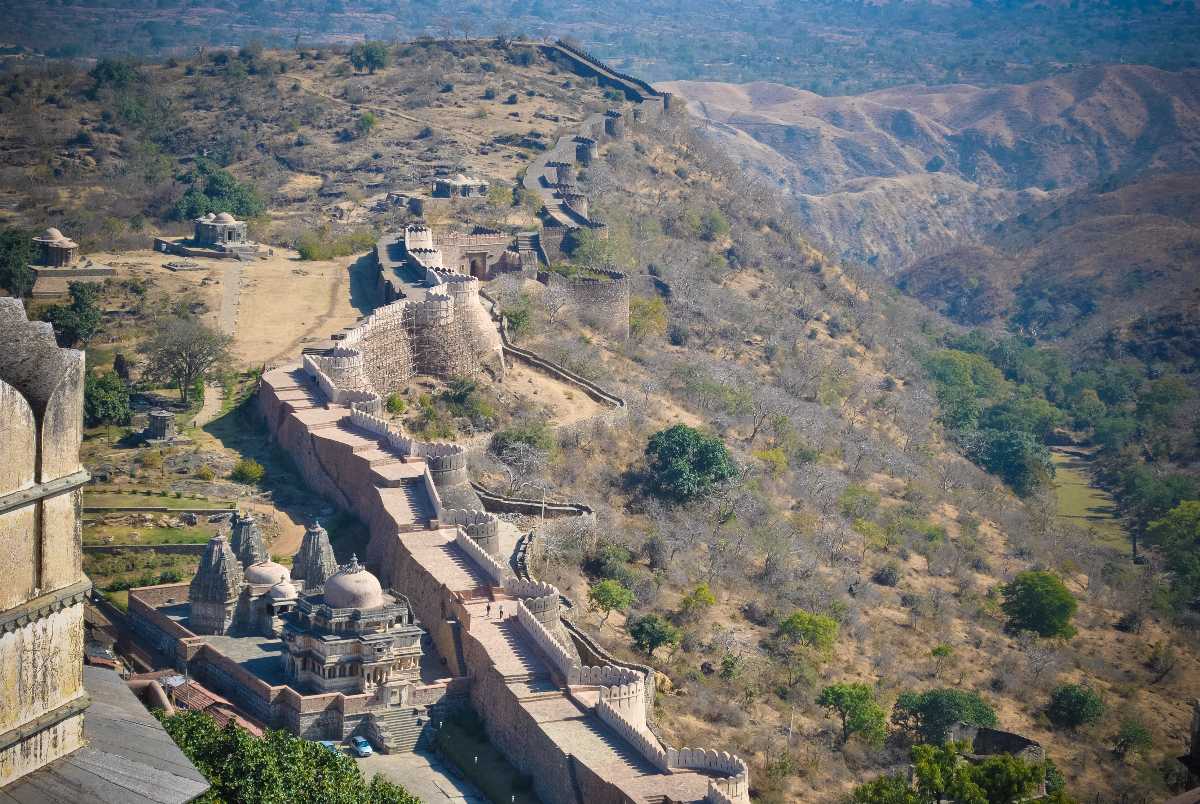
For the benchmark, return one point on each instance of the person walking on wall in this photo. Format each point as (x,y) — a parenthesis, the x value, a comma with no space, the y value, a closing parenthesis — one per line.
(489,610)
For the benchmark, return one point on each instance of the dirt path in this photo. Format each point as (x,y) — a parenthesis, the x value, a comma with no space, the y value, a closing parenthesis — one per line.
(213,396)
(231,291)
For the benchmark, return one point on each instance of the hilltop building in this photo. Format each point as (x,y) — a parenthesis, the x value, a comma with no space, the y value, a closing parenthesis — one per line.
(216,235)
(57,264)
(459,186)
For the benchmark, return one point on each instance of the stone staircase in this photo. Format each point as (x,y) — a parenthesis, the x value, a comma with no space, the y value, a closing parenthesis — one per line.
(406,728)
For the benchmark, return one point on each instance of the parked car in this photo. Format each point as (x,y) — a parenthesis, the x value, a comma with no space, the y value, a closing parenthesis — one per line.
(361,747)
(332,746)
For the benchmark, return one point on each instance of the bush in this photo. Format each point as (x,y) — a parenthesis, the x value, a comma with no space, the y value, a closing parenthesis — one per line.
(814,630)
(396,404)
(248,471)
(652,632)
(887,575)
(1075,705)
(205,473)
(1132,738)
(685,462)
(322,245)
(105,399)
(1039,601)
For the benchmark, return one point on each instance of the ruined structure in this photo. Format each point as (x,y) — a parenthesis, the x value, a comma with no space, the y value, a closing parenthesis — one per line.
(52,747)
(459,186)
(57,264)
(161,427)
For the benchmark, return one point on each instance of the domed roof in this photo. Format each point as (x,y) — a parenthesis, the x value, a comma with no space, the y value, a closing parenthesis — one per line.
(284,590)
(224,217)
(208,216)
(53,234)
(352,587)
(267,572)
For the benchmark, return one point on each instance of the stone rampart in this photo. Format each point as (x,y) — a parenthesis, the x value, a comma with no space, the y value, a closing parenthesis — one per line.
(640,738)
(603,299)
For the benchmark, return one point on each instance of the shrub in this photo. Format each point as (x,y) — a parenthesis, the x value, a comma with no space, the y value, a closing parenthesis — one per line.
(248,471)
(1132,738)
(856,706)
(609,596)
(396,404)
(1039,601)
(1075,705)
(887,575)
(697,601)
(205,473)
(814,630)
(651,632)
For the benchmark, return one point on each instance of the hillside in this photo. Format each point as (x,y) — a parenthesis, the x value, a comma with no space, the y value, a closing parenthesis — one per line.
(850,505)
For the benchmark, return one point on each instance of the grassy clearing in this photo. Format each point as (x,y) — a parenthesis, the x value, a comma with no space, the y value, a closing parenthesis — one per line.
(147,534)
(1080,503)
(150,499)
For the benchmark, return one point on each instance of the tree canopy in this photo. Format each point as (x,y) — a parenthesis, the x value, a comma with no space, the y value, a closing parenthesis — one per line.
(684,462)
(276,769)
(214,190)
(78,321)
(105,399)
(1039,601)
(930,715)
(16,254)
(608,596)
(182,350)
(855,704)
(651,632)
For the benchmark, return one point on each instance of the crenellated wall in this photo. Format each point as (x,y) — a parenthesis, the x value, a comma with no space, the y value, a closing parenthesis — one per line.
(42,698)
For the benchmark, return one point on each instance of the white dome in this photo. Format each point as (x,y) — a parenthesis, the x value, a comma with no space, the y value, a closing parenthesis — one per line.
(352,587)
(53,234)
(225,217)
(267,572)
(282,591)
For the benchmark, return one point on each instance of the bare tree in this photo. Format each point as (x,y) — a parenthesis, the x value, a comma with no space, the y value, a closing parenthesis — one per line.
(183,350)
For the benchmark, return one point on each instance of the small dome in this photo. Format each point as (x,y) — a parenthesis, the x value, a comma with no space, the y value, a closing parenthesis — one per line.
(53,234)
(284,590)
(208,216)
(352,587)
(224,217)
(267,572)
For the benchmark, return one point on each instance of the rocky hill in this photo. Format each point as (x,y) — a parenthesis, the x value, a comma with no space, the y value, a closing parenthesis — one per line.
(896,175)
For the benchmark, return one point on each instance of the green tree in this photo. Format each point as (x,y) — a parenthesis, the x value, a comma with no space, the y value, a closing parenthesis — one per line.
(940,775)
(1132,738)
(183,350)
(1018,458)
(856,706)
(1177,535)
(78,321)
(16,255)
(697,601)
(244,769)
(651,632)
(929,715)
(370,56)
(1039,601)
(684,462)
(105,399)
(609,596)
(211,189)
(815,630)
(1075,705)
(891,789)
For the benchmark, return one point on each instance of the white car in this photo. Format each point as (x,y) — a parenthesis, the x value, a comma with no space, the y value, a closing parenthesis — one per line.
(361,747)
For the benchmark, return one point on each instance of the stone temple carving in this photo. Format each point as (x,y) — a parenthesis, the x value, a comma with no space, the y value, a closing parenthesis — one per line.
(314,563)
(247,540)
(215,588)
(42,698)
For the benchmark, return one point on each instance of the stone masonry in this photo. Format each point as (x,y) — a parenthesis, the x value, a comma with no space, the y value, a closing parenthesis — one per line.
(42,698)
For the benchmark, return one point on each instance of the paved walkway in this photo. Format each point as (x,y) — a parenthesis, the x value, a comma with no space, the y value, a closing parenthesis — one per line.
(423,774)
(213,396)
